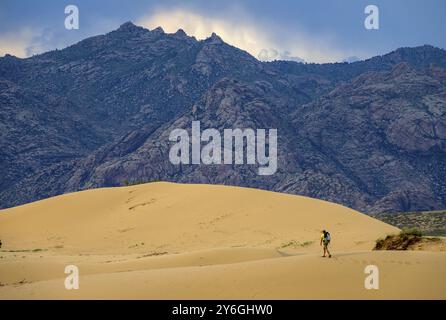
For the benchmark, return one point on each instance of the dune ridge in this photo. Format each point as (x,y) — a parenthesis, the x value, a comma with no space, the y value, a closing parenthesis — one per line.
(182,241)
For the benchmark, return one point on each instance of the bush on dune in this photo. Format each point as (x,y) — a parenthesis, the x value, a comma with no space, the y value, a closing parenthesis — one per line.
(402,241)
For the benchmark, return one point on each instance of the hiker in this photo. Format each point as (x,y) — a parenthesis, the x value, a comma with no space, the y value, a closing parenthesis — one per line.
(325,241)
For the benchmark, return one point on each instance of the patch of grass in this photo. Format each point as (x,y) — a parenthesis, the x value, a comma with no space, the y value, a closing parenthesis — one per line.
(153,254)
(306,243)
(435,233)
(25,250)
(432,223)
(411,232)
(295,244)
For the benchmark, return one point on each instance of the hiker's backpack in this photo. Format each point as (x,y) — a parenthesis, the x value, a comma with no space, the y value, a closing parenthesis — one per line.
(327,236)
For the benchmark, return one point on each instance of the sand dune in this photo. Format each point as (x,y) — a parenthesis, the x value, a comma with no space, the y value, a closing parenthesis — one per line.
(404,275)
(164,240)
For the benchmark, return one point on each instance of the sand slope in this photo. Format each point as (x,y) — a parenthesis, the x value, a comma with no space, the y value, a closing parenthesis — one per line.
(164,240)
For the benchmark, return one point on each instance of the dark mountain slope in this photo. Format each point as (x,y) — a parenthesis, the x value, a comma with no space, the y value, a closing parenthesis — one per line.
(368,134)
(64,104)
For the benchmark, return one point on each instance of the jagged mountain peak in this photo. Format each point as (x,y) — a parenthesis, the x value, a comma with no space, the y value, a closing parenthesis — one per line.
(180,32)
(126,26)
(214,39)
(100,111)
(158,30)
(130,27)
(10,57)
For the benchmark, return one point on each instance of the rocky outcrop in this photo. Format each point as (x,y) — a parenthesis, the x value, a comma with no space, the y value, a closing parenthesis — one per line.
(370,135)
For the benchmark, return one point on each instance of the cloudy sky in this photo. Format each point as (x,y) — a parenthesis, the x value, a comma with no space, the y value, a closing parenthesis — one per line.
(309,30)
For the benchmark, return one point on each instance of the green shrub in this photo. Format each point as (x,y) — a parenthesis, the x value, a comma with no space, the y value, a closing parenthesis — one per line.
(411,232)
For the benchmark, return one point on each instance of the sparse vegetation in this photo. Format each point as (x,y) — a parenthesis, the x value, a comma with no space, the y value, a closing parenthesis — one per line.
(411,232)
(295,244)
(153,254)
(408,239)
(306,243)
(400,241)
(430,223)
(25,250)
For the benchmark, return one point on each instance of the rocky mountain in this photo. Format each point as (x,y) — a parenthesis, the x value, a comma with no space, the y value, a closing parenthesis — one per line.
(370,134)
